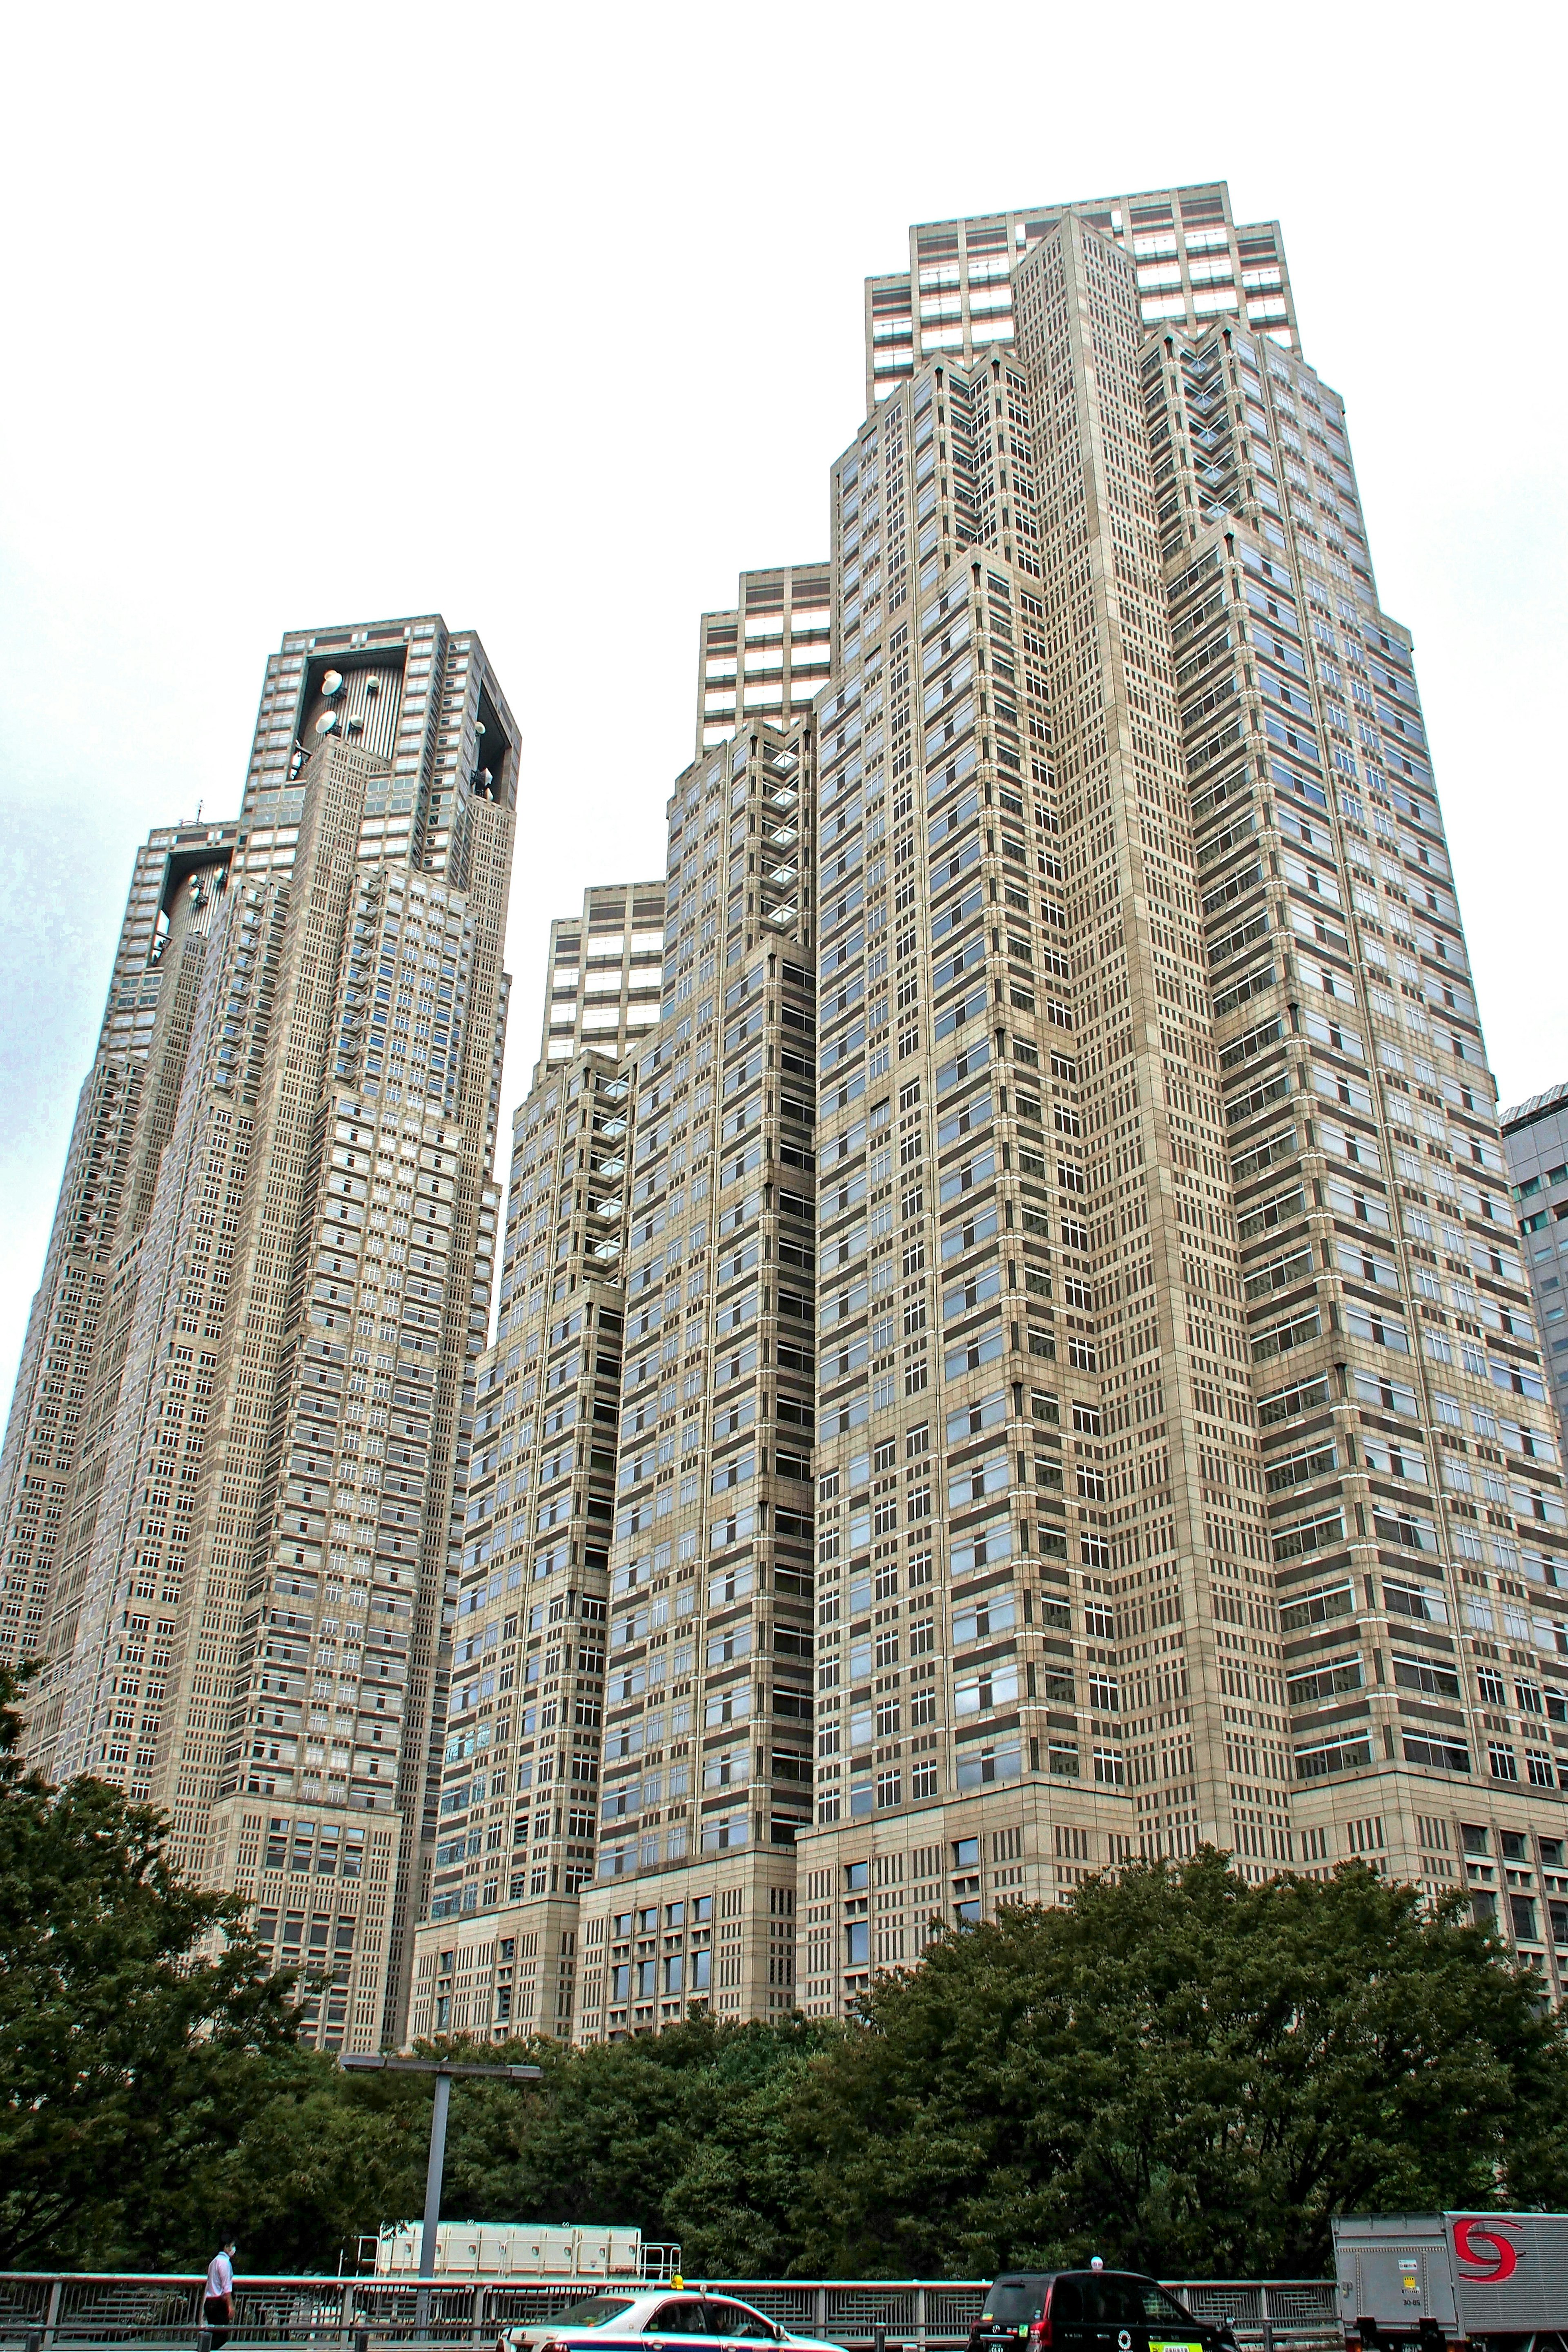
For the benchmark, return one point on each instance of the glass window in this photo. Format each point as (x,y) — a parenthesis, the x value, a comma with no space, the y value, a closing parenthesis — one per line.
(1113,2300)
(740,2325)
(1158,2308)
(677,2319)
(1013,2302)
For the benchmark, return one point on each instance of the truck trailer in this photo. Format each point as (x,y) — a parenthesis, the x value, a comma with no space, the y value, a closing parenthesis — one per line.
(526,2250)
(1443,2282)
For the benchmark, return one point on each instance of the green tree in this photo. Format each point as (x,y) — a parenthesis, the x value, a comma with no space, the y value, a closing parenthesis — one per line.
(124,2040)
(1184,2074)
(1179,2071)
(685,2135)
(298,2158)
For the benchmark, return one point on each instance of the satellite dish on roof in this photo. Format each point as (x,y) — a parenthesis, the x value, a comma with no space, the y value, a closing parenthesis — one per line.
(327,722)
(332,682)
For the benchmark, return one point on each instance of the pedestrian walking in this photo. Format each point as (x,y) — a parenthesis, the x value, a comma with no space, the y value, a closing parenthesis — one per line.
(217,2310)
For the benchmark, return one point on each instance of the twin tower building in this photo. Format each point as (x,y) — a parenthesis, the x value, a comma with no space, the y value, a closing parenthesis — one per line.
(1003,1349)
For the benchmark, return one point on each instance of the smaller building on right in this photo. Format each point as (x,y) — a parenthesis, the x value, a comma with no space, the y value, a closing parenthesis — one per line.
(1535,1138)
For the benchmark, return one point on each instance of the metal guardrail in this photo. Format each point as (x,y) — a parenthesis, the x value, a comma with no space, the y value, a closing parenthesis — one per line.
(1301,2312)
(90,2311)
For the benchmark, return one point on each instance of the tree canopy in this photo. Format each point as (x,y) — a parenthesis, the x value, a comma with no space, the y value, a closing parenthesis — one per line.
(118,2041)
(1187,2074)
(1178,2071)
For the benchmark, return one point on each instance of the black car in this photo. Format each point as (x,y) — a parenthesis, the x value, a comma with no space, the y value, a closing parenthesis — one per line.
(1090,2311)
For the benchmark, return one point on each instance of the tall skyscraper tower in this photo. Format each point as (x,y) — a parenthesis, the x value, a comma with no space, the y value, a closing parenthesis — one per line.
(121,1124)
(1185,1473)
(769,655)
(1194,262)
(1535,1138)
(1142,1269)
(605,971)
(1023,1364)
(618,1834)
(523,1670)
(707,1744)
(273,1255)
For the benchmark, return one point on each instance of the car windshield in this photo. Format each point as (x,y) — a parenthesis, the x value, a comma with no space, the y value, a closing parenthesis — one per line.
(593,2310)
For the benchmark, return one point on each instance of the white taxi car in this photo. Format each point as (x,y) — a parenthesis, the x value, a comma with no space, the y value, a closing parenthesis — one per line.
(667,2319)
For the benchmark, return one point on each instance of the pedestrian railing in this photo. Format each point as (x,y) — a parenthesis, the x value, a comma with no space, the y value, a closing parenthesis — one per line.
(83,2310)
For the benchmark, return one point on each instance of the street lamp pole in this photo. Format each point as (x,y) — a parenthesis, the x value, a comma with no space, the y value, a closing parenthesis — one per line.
(433,2172)
(371,2063)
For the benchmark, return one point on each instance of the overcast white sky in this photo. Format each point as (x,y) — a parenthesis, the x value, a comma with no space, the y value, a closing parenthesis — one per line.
(549,320)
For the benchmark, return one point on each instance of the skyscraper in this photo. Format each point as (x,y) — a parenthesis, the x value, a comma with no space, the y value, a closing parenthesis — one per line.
(767,657)
(122,1123)
(278,1220)
(1180,1459)
(1221,1502)
(1192,262)
(708,1706)
(641,1475)
(1535,1138)
(1023,1364)
(604,973)
(516,1821)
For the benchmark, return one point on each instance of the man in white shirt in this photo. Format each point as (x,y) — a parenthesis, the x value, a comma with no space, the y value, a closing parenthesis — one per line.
(217,2310)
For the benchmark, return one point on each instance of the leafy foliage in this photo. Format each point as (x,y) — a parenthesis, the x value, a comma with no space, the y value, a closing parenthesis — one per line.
(686,2135)
(1186,2075)
(1181,2071)
(123,2044)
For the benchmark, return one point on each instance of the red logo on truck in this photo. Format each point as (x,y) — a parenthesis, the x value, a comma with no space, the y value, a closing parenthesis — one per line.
(1480,2242)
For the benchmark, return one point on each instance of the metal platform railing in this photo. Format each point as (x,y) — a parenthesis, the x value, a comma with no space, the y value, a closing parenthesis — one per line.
(657,2263)
(92,2311)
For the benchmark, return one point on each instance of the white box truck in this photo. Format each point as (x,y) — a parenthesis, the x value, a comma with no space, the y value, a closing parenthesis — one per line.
(520,2250)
